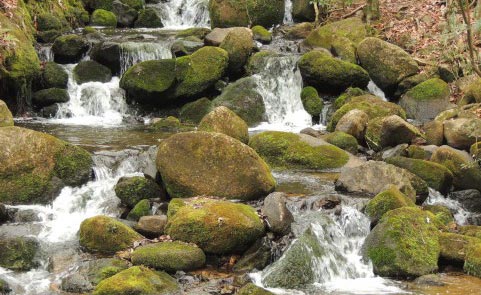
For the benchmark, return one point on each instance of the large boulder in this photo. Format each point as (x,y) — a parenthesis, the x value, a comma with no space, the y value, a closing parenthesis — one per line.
(436,175)
(374,177)
(403,244)
(353,29)
(223,120)
(103,18)
(311,101)
(107,54)
(331,75)
(239,13)
(386,63)
(6,118)
(131,190)
(106,235)
(69,48)
(386,201)
(50,96)
(169,256)
(354,123)
(125,14)
(148,18)
(18,253)
(303,10)
(138,280)
(389,132)
(293,151)
(91,71)
(426,100)
(373,106)
(239,45)
(242,98)
(212,164)
(35,166)
(53,76)
(217,227)
(217,36)
(461,133)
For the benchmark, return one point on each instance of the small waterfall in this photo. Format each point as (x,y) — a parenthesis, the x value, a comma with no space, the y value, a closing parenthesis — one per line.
(132,53)
(375,90)
(176,14)
(45,53)
(92,103)
(61,220)
(288,12)
(280,84)
(461,215)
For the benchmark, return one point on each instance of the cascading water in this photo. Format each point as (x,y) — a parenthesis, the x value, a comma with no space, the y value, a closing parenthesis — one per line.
(288,12)
(45,53)
(92,103)
(461,215)
(132,53)
(176,14)
(375,90)
(280,84)
(60,221)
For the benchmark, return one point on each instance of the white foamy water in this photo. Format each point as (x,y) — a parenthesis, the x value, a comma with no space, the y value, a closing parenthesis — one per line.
(280,84)
(132,53)
(461,215)
(375,90)
(181,14)
(288,12)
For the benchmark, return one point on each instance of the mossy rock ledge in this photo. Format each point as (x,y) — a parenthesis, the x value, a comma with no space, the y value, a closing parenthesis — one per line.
(404,243)
(217,227)
(212,164)
(35,166)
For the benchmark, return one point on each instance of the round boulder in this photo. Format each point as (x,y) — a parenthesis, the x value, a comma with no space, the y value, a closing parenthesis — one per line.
(386,201)
(239,45)
(47,97)
(148,18)
(91,71)
(103,18)
(278,216)
(354,123)
(69,48)
(238,13)
(53,76)
(132,190)
(223,120)
(311,101)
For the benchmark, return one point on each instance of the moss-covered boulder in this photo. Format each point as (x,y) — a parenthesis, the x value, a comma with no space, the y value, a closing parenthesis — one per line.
(138,280)
(389,132)
(303,10)
(242,98)
(472,262)
(103,18)
(108,54)
(251,289)
(311,101)
(69,48)
(466,172)
(288,150)
(472,93)
(169,256)
(347,96)
(92,5)
(403,244)
(462,132)
(53,76)
(261,34)
(91,71)
(351,28)
(386,201)
(141,209)
(203,163)
(239,45)
(342,140)
(18,253)
(148,18)
(436,175)
(331,75)
(454,246)
(46,97)
(131,190)
(354,123)
(217,227)
(426,100)
(223,120)
(239,13)
(6,118)
(299,31)
(125,14)
(258,61)
(193,112)
(386,63)
(106,235)
(35,166)
(373,106)
(434,132)
(442,213)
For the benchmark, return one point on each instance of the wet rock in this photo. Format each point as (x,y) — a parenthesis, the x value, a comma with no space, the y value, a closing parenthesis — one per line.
(342,140)
(434,132)
(426,100)
(223,120)
(259,60)
(185,47)
(389,132)
(289,150)
(311,101)
(76,283)
(430,280)
(169,256)
(107,54)
(193,112)
(53,76)
(216,36)
(103,18)
(261,34)
(99,269)
(106,235)
(311,132)
(299,31)
(142,208)
(18,253)
(354,123)
(469,199)
(3,213)
(386,63)
(47,97)
(126,15)
(50,111)
(151,226)
(201,163)
(91,71)
(403,244)
(386,201)
(236,13)
(148,18)
(442,213)
(6,118)
(461,133)
(257,257)
(251,289)
(279,218)
(221,227)
(69,49)
(138,280)
(132,190)
(36,166)
(28,215)
(397,151)
(239,45)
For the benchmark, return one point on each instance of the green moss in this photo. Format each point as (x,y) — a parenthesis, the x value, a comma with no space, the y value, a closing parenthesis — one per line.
(261,34)
(169,123)
(238,13)
(436,175)
(223,120)
(47,21)
(373,106)
(455,246)
(417,152)
(471,231)
(472,264)
(430,89)
(54,76)
(104,18)
(193,112)
(347,95)
(342,140)
(106,235)
(132,190)
(442,213)
(386,201)
(472,95)
(311,101)
(174,206)
(148,18)
(92,5)
(46,97)
(104,268)
(389,131)
(137,280)
(344,49)
(89,30)
(141,209)
(169,256)
(251,289)
(91,71)
(6,118)
(352,28)
(196,32)
(286,151)
(73,165)
(18,254)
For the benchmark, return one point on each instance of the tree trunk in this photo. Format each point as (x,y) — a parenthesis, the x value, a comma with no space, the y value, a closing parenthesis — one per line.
(371,10)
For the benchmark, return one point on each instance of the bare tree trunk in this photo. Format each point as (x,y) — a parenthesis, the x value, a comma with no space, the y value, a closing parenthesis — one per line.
(371,11)
(316,10)
(466,13)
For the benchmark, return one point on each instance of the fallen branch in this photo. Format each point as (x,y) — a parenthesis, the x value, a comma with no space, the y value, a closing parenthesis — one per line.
(353,12)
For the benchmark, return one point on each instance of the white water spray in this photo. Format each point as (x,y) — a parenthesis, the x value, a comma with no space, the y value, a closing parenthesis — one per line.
(461,215)
(132,53)
(178,14)
(288,12)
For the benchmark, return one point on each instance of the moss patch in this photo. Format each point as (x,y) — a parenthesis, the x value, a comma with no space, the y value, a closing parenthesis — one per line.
(386,201)
(223,120)
(141,209)
(342,140)
(311,101)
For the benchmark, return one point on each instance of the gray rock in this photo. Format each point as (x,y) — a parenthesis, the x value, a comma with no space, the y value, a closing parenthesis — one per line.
(76,283)
(470,199)
(354,123)
(257,256)
(216,37)
(126,15)
(28,215)
(398,150)
(151,226)
(279,218)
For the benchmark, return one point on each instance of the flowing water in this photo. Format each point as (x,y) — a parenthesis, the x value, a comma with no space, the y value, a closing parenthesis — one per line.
(132,53)
(179,14)
(288,12)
